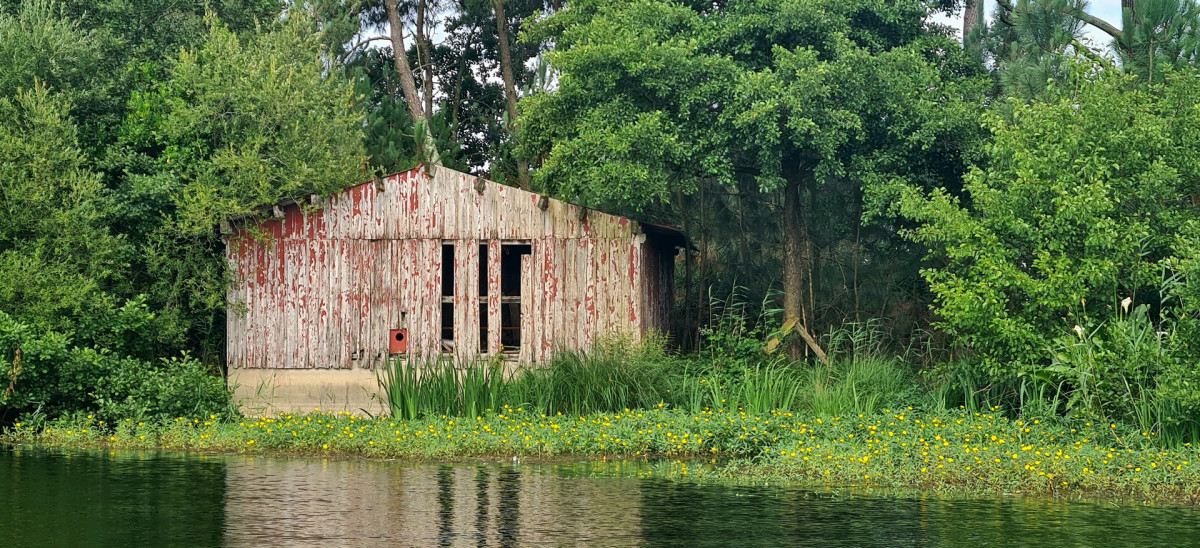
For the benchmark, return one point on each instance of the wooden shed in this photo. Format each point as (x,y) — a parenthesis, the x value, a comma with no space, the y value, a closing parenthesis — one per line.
(429,262)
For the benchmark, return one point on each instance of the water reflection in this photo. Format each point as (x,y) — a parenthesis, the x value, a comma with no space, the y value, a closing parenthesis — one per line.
(151,499)
(317,502)
(117,499)
(508,515)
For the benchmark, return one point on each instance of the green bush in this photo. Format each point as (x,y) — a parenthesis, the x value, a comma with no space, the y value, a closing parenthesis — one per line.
(734,339)
(175,387)
(1071,207)
(1129,368)
(45,374)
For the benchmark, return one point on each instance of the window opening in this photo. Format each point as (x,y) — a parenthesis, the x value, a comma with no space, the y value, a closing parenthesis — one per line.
(483,328)
(511,256)
(483,270)
(447,270)
(447,298)
(483,302)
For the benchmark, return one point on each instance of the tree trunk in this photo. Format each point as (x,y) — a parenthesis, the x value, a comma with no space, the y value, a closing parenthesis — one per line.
(510,87)
(455,105)
(1129,20)
(794,247)
(424,54)
(971,17)
(703,304)
(399,55)
(809,260)
(407,83)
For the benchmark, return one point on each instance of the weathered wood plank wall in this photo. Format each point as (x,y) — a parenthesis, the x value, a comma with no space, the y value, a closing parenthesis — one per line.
(323,286)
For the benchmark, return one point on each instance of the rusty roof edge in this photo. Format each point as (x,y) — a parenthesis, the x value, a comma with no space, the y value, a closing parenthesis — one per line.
(258,211)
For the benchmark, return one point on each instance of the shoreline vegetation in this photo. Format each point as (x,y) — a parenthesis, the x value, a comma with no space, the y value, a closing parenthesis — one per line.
(955,451)
(863,420)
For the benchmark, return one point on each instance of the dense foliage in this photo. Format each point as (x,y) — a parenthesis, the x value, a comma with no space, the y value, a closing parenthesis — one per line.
(1084,214)
(1012,212)
(117,160)
(759,127)
(1085,200)
(57,376)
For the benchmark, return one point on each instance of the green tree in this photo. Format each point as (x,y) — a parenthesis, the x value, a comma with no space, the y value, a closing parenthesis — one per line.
(1031,41)
(1084,199)
(457,70)
(1029,38)
(799,100)
(38,41)
(239,123)
(53,219)
(111,40)
(1158,36)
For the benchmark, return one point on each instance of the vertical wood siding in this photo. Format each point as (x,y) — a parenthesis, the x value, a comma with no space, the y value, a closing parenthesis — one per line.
(324,286)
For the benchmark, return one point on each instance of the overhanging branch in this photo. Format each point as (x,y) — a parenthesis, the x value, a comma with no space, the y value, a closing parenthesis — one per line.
(1087,18)
(342,58)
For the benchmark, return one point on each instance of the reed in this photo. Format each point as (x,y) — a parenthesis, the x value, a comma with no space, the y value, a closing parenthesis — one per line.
(609,378)
(437,386)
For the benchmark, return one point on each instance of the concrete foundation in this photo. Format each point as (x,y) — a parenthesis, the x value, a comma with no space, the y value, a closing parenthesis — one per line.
(266,392)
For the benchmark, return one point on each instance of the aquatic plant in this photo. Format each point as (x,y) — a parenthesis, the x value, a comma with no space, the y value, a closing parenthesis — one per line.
(957,449)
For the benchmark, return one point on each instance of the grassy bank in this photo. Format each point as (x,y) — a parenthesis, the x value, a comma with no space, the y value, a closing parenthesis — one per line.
(954,450)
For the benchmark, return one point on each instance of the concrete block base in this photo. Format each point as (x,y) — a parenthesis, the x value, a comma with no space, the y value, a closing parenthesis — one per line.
(266,392)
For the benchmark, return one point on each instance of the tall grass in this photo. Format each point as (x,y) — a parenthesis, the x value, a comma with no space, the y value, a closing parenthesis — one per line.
(735,373)
(861,376)
(756,389)
(859,385)
(437,387)
(610,378)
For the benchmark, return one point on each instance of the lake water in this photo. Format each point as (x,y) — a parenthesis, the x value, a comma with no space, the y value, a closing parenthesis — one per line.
(55,498)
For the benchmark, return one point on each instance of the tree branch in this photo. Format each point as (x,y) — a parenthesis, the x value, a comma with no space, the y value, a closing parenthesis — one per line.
(342,58)
(1087,18)
(1101,24)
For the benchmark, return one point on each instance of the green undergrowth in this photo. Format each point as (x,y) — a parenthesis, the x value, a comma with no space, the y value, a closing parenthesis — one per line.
(617,375)
(978,452)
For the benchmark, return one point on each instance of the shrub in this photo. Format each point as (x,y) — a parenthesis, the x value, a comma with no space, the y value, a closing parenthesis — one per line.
(1067,211)
(44,373)
(734,339)
(175,387)
(1129,368)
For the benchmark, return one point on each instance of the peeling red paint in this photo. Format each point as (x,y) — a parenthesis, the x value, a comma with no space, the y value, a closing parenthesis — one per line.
(329,283)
